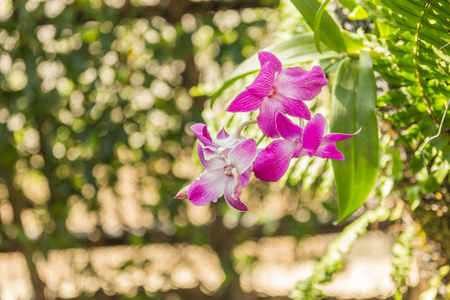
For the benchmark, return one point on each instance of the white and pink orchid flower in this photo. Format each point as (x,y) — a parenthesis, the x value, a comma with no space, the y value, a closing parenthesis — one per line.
(226,172)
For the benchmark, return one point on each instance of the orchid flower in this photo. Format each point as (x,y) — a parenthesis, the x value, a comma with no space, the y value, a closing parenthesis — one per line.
(223,139)
(226,172)
(277,89)
(273,162)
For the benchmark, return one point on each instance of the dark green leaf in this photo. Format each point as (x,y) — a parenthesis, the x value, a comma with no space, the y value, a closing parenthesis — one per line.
(353,103)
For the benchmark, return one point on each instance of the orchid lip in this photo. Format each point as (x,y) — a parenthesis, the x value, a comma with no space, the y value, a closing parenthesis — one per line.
(228,170)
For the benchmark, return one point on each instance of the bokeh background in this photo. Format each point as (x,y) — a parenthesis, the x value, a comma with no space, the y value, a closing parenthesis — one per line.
(96,101)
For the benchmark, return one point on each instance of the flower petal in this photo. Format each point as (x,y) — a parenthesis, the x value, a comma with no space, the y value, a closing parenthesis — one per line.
(336,137)
(296,108)
(233,188)
(329,150)
(182,194)
(201,132)
(229,142)
(209,159)
(243,155)
(245,102)
(296,83)
(225,152)
(209,187)
(210,152)
(300,151)
(287,129)
(313,134)
(244,178)
(222,134)
(266,57)
(273,162)
(263,84)
(237,185)
(267,117)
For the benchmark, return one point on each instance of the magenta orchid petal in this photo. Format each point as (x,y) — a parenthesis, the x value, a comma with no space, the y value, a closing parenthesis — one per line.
(222,134)
(245,102)
(313,134)
(243,155)
(210,152)
(281,90)
(267,117)
(237,184)
(244,178)
(265,57)
(336,137)
(298,84)
(263,84)
(201,132)
(230,193)
(211,161)
(183,193)
(329,150)
(209,187)
(296,108)
(287,129)
(300,151)
(273,162)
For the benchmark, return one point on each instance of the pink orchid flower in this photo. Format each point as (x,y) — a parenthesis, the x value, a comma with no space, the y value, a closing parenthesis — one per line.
(226,172)
(273,162)
(223,139)
(277,89)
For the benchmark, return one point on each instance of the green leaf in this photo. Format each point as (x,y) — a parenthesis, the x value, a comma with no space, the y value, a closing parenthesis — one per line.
(296,50)
(358,13)
(317,22)
(330,33)
(350,4)
(352,107)
(382,29)
(353,42)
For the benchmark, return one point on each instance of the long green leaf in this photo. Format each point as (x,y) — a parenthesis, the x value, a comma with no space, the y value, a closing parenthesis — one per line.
(330,33)
(317,21)
(352,107)
(298,49)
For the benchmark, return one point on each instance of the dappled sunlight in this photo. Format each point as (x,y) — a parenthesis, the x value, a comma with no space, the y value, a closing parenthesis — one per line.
(15,281)
(278,263)
(124,269)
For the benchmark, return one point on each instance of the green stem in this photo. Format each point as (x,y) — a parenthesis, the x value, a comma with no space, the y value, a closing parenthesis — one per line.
(332,62)
(260,140)
(339,57)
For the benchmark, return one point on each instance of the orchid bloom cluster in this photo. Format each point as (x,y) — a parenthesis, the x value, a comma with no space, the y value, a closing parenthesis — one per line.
(229,160)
